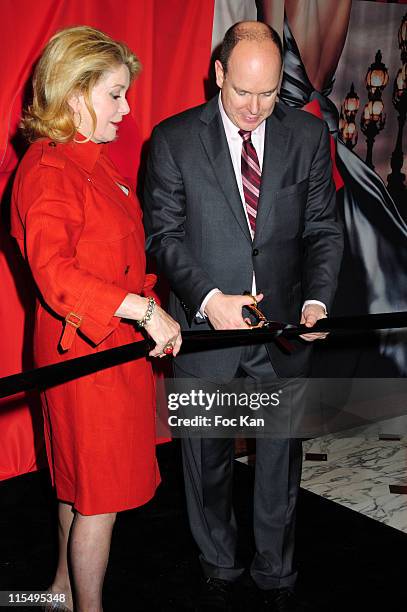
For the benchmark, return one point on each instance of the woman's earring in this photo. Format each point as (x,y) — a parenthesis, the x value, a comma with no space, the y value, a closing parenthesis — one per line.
(77,119)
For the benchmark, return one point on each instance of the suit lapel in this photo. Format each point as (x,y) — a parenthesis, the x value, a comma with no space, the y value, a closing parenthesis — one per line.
(215,144)
(274,160)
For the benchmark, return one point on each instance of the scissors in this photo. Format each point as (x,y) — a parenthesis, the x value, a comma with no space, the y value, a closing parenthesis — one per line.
(261,321)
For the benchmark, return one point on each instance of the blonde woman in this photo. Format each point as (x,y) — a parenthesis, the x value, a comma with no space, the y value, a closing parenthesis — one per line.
(79,228)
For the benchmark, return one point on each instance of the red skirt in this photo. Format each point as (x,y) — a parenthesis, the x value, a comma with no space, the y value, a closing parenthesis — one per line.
(100,433)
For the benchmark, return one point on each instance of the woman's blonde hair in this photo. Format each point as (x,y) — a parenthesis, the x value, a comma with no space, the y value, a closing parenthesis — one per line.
(72,62)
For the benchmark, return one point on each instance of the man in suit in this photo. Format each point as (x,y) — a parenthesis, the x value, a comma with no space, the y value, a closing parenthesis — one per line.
(239,197)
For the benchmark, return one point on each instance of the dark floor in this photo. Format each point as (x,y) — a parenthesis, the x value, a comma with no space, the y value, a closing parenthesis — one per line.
(346,561)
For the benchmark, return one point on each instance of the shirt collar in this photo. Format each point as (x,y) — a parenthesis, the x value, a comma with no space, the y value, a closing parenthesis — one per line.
(85,154)
(232,131)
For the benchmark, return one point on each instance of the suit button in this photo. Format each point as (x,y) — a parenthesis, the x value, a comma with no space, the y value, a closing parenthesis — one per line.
(52,144)
(255,252)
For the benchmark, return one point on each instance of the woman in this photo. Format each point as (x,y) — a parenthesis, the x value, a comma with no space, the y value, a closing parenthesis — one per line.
(79,227)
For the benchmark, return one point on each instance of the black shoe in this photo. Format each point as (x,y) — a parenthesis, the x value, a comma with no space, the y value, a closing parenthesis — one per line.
(216,594)
(283,600)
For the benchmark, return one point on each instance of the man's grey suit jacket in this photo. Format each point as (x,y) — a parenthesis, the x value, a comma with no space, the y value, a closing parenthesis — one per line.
(197,230)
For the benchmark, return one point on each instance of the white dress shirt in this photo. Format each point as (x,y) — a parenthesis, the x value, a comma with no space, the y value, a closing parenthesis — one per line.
(234,141)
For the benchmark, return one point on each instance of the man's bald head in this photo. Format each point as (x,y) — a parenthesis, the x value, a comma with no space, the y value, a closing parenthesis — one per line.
(248,73)
(251,31)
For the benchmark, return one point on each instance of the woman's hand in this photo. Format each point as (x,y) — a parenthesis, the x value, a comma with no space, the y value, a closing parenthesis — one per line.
(163,330)
(161,327)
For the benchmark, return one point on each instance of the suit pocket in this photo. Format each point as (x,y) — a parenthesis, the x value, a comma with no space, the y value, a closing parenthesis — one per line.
(287,212)
(292,190)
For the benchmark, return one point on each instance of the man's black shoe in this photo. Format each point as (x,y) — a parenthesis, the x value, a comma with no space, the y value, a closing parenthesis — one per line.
(216,595)
(282,600)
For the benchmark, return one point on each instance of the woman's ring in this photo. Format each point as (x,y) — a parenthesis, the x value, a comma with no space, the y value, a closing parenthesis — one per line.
(168,348)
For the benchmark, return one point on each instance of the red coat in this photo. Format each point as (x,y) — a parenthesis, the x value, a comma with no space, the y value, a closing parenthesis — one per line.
(83,239)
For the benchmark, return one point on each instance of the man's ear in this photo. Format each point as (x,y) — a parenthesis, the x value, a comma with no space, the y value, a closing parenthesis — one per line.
(280,79)
(220,74)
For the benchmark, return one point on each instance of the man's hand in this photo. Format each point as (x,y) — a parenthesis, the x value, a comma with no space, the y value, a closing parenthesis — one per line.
(225,311)
(310,315)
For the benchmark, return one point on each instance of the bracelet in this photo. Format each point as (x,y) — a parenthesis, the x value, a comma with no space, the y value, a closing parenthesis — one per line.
(149,313)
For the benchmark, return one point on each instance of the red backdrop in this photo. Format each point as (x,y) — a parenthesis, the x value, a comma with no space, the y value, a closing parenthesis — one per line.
(173,42)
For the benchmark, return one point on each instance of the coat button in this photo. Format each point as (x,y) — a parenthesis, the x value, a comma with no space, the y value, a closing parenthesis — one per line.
(255,252)
(126,270)
(52,144)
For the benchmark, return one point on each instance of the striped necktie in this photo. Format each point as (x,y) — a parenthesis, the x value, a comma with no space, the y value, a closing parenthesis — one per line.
(251,177)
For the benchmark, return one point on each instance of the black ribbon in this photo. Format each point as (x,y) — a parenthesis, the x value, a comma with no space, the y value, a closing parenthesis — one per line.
(192,341)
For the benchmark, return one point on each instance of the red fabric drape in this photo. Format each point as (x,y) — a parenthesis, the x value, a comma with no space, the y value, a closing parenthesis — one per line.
(314,108)
(173,42)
